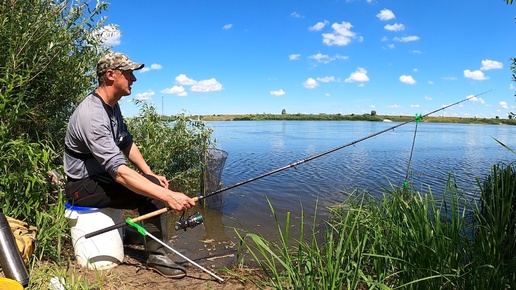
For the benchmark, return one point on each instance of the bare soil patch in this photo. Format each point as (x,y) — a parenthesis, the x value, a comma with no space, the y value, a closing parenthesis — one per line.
(132,274)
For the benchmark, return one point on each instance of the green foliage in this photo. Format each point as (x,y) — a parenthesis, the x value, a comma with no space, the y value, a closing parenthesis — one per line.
(495,231)
(48,52)
(171,148)
(404,239)
(49,49)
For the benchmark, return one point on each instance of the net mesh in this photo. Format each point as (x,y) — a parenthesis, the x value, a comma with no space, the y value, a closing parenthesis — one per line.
(213,161)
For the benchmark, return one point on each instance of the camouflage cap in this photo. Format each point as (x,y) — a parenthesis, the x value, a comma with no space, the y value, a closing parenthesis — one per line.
(116,60)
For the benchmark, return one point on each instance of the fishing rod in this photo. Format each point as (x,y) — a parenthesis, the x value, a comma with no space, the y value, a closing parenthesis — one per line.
(197,219)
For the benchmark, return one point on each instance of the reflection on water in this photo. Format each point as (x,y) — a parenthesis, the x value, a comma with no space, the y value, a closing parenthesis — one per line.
(257,147)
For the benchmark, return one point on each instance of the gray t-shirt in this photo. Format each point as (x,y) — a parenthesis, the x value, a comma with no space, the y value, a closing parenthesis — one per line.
(96,133)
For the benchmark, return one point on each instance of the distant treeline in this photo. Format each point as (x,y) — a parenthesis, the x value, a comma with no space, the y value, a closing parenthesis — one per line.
(349,117)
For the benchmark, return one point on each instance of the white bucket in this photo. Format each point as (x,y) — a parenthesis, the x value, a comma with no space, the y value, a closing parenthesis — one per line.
(100,252)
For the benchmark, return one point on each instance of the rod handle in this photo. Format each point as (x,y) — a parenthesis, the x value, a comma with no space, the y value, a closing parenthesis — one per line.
(105,230)
(136,219)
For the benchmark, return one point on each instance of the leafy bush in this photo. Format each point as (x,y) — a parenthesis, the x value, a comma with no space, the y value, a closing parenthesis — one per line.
(173,148)
(49,50)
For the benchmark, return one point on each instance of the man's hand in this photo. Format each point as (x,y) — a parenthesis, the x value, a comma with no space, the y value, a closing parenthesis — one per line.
(179,201)
(162,180)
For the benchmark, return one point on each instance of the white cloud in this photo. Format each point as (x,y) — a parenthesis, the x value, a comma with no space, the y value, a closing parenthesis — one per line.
(476,75)
(175,90)
(144,96)
(511,87)
(407,79)
(318,26)
(394,106)
(504,105)
(475,99)
(279,92)
(360,75)
(488,64)
(294,56)
(394,27)
(227,26)
(407,38)
(184,80)
(108,35)
(428,98)
(385,15)
(414,106)
(153,66)
(342,34)
(321,58)
(295,14)
(204,86)
(326,79)
(324,58)
(310,83)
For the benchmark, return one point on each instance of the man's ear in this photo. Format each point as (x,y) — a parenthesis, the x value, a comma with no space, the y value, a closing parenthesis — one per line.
(110,74)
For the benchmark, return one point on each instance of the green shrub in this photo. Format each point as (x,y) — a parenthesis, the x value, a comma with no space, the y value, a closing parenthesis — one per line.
(173,148)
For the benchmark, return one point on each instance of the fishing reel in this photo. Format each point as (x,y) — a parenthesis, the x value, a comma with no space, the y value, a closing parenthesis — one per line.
(189,222)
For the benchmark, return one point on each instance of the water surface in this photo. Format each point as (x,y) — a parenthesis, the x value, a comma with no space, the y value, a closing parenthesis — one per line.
(465,152)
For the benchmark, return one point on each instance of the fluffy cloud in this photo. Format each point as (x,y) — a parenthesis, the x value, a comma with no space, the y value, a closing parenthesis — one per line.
(488,64)
(318,26)
(394,27)
(175,90)
(294,56)
(204,86)
(407,80)
(227,26)
(310,83)
(385,15)
(475,75)
(184,80)
(341,35)
(144,96)
(360,75)
(326,79)
(279,92)
(153,66)
(504,105)
(407,38)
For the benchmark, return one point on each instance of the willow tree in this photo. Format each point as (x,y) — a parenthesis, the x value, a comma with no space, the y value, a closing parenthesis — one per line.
(49,48)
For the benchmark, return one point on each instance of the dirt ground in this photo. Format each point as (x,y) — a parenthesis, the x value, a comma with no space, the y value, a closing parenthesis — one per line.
(133,275)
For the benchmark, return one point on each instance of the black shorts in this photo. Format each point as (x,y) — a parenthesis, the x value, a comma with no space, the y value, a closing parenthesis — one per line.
(103,191)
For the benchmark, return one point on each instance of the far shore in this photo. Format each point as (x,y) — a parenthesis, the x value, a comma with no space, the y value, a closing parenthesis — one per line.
(353,117)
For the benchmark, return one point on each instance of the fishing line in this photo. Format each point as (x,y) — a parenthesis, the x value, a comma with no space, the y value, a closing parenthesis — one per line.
(201,197)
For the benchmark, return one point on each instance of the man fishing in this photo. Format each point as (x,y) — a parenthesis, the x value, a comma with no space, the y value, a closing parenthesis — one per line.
(98,148)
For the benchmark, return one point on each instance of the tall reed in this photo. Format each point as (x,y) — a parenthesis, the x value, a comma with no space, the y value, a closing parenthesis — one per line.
(403,240)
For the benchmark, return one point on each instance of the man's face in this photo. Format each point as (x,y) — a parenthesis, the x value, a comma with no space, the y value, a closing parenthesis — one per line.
(122,81)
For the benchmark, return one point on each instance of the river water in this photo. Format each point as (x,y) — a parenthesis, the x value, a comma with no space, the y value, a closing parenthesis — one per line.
(425,154)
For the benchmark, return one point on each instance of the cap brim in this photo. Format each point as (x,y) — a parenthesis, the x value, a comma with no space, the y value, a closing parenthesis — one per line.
(133,66)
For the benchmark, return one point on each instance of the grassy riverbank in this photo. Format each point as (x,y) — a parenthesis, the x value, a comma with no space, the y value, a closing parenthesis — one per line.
(353,117)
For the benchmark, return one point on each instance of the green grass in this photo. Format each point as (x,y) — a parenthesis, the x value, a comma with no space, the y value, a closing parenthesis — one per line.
(403,240)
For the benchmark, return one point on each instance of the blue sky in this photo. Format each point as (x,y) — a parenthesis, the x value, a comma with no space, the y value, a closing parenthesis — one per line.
(326,56)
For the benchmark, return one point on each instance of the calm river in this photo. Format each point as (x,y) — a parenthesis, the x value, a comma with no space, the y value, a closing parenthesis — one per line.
(257,147)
